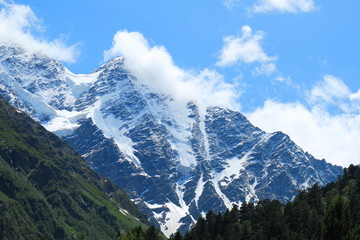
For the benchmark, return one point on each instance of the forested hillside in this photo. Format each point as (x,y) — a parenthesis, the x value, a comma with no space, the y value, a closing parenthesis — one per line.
(330,212)
(47,191)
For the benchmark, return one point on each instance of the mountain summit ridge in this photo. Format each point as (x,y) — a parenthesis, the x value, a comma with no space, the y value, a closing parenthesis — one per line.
(175,160)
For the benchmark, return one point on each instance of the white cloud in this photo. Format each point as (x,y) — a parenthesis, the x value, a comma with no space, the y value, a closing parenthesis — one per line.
(355,96)
(328,90)
(17,25)
(290,6)
(153,66)
(230,3)
(265,69)
(333,136)
(246,49)
(284,79)
(332,92)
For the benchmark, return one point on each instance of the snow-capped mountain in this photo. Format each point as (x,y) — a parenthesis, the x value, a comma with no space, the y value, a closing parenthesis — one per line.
(177,161)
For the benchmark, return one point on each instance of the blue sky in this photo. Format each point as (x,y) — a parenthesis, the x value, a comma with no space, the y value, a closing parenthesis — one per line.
(307,44)
(294,62)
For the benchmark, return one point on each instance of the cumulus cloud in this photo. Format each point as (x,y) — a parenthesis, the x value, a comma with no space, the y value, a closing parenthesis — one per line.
(333,91)
(355,96)
(333,136)
(18,23)
(154,67)
(290,6)
(246,49)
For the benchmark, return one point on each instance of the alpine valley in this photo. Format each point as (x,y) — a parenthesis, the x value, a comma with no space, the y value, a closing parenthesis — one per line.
(176,161)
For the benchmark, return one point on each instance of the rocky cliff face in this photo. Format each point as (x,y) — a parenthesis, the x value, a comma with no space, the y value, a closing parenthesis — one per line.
(176,161)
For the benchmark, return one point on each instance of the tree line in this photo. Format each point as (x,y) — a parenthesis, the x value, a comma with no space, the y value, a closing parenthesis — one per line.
(331,212)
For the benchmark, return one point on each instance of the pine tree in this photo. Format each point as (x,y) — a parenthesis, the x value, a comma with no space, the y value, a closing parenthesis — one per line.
(245,230)
(151,234)
(337,219)
(176,236)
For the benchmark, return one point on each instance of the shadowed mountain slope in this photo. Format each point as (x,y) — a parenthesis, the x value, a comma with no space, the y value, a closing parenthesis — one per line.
(47,191)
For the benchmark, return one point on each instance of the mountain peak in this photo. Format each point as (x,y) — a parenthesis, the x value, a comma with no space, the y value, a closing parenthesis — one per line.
(175,160)
(112,64)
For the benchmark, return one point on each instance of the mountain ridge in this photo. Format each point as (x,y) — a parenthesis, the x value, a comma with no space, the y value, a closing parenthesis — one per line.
(176,160)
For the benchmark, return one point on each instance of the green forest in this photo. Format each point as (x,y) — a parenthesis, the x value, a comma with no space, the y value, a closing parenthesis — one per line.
(331,212)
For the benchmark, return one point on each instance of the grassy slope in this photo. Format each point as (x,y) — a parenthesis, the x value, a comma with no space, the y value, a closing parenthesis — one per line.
(47,190)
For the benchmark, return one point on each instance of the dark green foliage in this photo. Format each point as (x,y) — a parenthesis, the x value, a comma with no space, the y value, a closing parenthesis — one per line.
(176,236)
(48,192)
(337,219)
(139,234)
(328,213)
